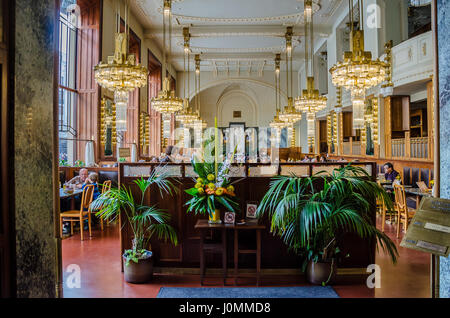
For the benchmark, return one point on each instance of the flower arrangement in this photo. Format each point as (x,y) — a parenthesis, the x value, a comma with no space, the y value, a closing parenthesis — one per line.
(79,163)
(63,162)
(213,188)
(431,183)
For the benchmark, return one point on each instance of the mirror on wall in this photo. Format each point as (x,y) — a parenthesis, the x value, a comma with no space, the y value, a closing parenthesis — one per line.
(107,126)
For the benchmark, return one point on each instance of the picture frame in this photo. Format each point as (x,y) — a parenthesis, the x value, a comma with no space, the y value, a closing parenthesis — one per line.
(250,210)
(229,218)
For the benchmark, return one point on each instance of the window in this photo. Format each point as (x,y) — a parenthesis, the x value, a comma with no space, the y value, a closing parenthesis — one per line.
(67,87)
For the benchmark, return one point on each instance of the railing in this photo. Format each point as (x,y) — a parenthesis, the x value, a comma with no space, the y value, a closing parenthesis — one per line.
(419,147)
(352,147)
(398,147)
(412,59)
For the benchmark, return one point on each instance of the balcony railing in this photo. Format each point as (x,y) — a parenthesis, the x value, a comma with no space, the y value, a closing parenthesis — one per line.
(419,147)
(398,147)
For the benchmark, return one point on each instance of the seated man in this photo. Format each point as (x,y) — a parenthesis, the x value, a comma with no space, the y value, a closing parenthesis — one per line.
(389,173)
(80,179)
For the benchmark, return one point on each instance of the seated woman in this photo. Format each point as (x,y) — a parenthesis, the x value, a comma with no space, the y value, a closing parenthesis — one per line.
(92,179)
(167,156)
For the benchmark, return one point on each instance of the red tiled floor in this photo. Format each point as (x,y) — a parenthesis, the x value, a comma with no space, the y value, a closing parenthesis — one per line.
(99,261)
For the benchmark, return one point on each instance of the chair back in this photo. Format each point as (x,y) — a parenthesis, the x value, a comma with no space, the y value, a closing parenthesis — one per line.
(400,196)
(86,199)
(106,186)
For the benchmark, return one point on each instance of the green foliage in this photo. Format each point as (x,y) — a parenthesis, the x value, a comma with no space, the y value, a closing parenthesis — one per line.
(79,163)
(311,222)
(204,199)
(145,221)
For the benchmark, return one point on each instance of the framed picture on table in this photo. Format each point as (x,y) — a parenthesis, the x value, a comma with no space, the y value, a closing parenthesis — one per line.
(250,211)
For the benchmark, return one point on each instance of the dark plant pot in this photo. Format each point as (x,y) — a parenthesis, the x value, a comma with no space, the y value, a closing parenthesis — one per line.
(140,272)
(317,273)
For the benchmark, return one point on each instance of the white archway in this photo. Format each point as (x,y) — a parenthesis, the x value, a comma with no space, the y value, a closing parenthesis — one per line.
(237,100)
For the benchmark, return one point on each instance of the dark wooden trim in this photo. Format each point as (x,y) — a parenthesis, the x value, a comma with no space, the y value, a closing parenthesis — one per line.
(66,88)
(8,286)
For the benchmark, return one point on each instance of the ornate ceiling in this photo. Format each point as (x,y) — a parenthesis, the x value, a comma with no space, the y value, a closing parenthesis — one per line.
(236,35)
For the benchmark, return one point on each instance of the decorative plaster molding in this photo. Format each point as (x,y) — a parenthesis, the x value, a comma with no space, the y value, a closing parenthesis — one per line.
(295,17)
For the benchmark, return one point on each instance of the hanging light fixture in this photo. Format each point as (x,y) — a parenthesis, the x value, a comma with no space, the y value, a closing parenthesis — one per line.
(121,74)
(358,72)
(186,115)
(289,114)
(419,3)
(121,101)
(310,101)
(166,102)
(277,123)
(198,124)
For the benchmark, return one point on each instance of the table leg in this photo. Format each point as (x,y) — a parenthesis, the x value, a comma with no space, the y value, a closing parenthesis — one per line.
(258,256)
(224,255)
(202,257)
(72,203)
(417,201)
(236,256)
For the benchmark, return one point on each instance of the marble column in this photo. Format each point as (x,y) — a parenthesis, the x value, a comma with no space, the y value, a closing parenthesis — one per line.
(33,137)
(443,38)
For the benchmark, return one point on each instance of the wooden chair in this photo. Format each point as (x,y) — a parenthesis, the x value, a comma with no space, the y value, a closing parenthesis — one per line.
(83,214)
(105,187)
(404,213)
(381,209)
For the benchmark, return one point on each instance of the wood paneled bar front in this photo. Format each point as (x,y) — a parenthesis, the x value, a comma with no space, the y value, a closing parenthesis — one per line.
(253,180)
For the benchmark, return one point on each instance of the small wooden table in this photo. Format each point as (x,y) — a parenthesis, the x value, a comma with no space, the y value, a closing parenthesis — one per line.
(65,195)
(203,226)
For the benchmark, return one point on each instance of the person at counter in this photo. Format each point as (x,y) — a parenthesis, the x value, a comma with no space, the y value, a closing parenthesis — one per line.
(389,173)
(167,157)
(79,180)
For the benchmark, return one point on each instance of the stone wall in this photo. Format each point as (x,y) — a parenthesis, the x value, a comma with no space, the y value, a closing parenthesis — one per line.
(33,136)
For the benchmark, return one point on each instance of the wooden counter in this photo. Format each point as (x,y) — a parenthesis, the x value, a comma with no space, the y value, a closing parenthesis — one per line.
(254,182)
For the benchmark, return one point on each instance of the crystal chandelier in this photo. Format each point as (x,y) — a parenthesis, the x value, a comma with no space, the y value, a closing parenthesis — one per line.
(277,123)
(199,122)
(358,71)
(186,115)
(166,102)
(310,101)
(121,101)
(289,114)
(419,3)
(121,74)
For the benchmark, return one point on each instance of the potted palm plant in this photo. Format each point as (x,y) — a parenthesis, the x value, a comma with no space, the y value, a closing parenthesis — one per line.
(312,222)
(145,221)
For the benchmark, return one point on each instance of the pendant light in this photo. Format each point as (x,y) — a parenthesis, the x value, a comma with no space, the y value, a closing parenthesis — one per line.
(166,102)
(121,74)
(358,72)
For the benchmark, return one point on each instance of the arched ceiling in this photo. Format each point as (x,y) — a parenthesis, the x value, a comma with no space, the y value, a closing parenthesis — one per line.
(236,33)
